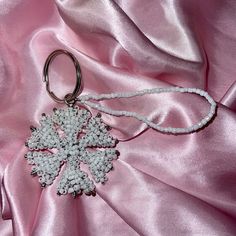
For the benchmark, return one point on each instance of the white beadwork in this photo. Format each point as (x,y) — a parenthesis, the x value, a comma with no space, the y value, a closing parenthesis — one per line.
(71,135)
(85,99)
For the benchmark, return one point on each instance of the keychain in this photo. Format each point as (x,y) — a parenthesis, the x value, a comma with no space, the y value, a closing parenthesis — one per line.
(70,137)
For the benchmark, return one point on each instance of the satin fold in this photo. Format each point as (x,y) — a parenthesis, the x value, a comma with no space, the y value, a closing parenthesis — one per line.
(161,184)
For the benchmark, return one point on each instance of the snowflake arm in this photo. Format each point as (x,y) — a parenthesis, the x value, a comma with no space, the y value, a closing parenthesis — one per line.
(46,166)
(75,181)
(100,163)
(97,135)
(45,137)
(70,121)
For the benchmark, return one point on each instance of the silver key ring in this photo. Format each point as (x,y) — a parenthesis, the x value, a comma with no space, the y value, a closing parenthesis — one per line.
(68,98)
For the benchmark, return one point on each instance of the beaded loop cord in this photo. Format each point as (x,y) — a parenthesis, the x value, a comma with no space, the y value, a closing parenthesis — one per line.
(85,100)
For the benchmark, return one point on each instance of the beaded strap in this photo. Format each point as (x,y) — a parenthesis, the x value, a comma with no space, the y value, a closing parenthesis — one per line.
(85,99)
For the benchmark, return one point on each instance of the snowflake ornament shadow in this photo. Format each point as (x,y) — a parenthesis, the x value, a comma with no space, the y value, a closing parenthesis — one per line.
(69,137)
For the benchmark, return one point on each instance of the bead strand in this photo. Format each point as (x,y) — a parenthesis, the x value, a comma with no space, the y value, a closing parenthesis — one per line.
(85,99)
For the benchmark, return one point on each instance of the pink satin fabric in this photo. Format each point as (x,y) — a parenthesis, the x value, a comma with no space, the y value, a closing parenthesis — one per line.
(161,184)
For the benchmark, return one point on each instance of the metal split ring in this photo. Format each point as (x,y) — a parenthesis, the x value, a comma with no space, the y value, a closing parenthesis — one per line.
(68,98)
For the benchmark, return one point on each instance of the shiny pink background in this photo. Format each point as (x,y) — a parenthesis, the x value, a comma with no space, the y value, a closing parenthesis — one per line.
(161,184)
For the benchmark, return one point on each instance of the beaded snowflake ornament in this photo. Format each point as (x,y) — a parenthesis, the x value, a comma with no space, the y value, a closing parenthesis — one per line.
(78,147)
(69,137)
